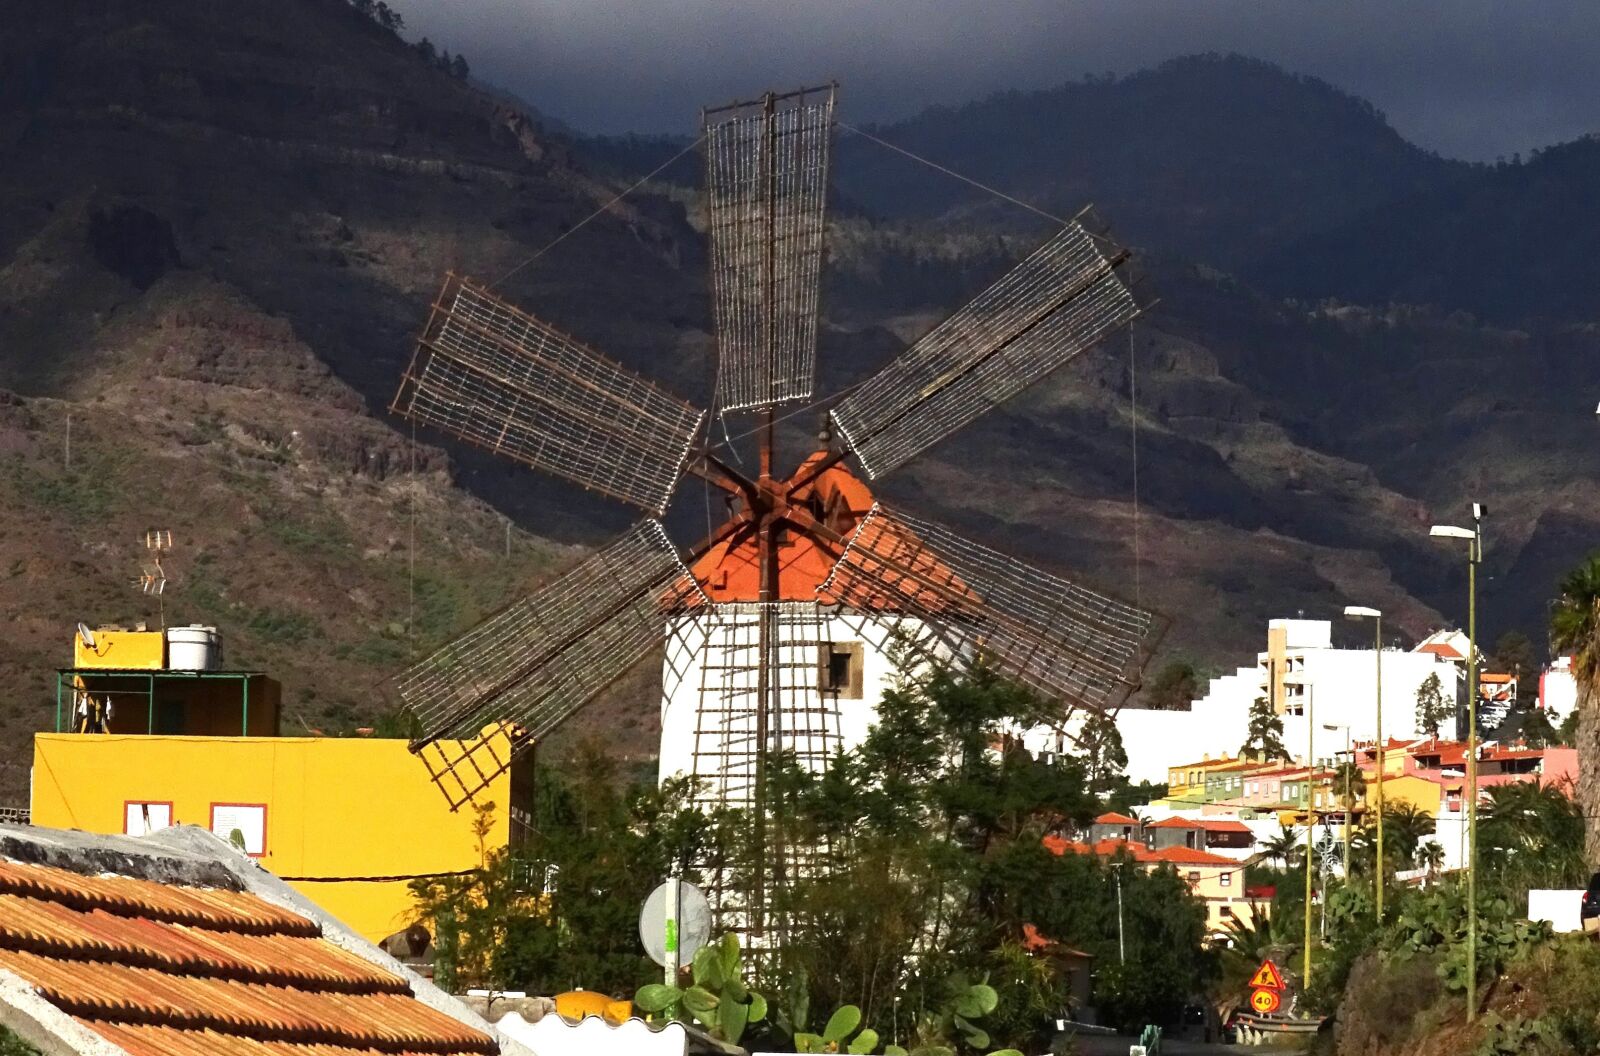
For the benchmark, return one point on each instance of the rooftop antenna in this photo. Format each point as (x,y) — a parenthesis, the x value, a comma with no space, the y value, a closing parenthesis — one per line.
(153,578)
(488,373)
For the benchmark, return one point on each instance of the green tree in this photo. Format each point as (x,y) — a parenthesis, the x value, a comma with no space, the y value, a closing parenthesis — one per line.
(1104,757)
(1432,709)
(1175,687)
(1283,847)
(561,910)
(1264,737)
(1530,835)
(934,861)
(1575,630)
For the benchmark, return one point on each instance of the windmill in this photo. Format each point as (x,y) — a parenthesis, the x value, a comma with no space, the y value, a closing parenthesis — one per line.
(748,615)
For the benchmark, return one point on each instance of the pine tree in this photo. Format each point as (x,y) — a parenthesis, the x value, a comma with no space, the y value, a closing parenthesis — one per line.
(1104,757)
(1432,709)
(1264,738)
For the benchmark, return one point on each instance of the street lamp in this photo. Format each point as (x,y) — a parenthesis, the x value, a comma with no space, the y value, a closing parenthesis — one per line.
(1363,612)
(1474,540)
(1349,800)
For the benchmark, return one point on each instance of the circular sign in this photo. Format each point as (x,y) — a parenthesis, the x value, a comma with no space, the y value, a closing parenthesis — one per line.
(1265,1001)
(693,922)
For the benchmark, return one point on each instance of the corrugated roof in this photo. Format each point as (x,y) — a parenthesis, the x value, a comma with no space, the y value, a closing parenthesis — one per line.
(169,970)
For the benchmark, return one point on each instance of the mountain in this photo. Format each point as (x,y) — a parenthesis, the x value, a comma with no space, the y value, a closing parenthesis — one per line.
(224,226)
(1515,243)
(1212,157)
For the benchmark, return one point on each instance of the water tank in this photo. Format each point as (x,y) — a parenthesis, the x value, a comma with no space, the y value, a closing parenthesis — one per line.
(194,648)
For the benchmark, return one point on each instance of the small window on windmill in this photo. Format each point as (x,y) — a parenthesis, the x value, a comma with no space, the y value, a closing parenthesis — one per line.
(840,669)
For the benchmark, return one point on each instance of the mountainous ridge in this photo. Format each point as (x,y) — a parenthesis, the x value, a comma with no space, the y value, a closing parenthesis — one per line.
(236,318)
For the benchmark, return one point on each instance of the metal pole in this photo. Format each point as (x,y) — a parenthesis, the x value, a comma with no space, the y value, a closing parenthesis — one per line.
(1311,769)
(670,939)
(1378,874)
(244,721)
(1122,949)
(58,701)
(1349,799)
(1474,555)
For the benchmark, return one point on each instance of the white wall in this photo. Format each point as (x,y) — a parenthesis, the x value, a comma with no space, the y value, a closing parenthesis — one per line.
(1558,690)
(1561,908)
(724,637)
(1339,685)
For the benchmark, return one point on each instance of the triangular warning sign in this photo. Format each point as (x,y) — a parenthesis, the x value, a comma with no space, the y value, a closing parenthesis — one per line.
(1267,977)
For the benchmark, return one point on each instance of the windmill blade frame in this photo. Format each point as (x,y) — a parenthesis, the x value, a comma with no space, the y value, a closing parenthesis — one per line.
(528,667)
(489,373)
(1060,638)
(1062,299)
(766,196)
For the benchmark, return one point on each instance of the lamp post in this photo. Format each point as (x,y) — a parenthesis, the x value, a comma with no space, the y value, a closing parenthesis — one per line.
(1349,799)
(1474,540)
(1361,612)
(1311,769)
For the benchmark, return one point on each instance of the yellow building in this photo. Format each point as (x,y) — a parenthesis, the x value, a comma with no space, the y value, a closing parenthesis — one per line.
(345,820)
(1188,781)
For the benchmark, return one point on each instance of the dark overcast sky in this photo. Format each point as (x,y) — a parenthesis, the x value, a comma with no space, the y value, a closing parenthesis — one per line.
(1469,78)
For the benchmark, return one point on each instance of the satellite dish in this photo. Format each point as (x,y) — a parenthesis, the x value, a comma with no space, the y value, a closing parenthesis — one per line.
(694,922)
(86,636)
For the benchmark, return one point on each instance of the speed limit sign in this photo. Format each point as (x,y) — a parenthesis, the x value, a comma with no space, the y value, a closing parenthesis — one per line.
(1265,1001)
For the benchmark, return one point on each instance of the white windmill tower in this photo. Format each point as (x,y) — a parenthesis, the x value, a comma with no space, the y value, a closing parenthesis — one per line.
(776,624)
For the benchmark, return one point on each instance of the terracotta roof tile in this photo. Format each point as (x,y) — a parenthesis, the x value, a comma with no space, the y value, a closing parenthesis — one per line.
(164,970)
(1113,818)
(1189,856)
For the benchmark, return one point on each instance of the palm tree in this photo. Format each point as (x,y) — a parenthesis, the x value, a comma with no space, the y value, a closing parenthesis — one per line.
(1405,825)
(1532,835)
(1430,856)
(1283,847)
(1575,629)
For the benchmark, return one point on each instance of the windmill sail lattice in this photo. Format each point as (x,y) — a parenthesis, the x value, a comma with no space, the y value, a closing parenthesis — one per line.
(1052,306)
(1076,647)
(764,658)
(541,658)
(491,374)
(766,188)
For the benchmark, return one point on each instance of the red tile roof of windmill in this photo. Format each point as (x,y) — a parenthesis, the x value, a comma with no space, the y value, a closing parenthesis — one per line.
(730,571)
(1113,818)
(164,970)
(1491,676)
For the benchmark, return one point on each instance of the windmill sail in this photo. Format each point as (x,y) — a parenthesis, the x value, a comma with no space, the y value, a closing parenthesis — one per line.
(491,374)
(1069,643)
(1055,304)
(534,663)
(766,188)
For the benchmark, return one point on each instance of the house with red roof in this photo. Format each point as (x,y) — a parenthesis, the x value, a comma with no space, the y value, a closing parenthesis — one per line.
(1217,880)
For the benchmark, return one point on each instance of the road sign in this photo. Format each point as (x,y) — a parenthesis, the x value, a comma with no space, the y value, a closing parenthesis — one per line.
(673,928)
(1267,977)
(1265,1002)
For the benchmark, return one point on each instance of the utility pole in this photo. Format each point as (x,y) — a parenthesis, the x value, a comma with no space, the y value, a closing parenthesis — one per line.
(1474,540)
(1474,556)
(1356,612)
(1311,770)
